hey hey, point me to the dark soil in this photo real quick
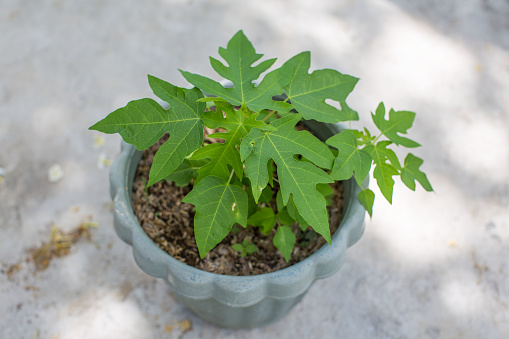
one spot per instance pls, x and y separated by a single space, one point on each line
169 223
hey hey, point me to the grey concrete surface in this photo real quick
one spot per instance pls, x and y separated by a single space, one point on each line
430 266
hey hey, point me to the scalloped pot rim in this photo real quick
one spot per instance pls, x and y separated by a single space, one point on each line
193 286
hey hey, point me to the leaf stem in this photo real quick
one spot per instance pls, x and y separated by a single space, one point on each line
268 115
231 175
378 137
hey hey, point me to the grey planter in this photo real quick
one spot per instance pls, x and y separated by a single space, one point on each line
231 301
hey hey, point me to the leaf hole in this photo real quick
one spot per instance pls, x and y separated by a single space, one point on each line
333 103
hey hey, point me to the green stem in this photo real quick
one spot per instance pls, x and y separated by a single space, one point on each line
378 137
268 115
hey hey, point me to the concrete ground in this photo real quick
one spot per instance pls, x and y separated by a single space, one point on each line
433 265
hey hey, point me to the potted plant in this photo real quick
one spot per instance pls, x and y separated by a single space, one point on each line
264 173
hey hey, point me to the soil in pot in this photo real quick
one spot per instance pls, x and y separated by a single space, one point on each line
169 223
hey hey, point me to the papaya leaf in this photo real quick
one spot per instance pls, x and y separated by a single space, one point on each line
252 206
296 177
350 159
381 154
284 240
266 195
367 198
143 122
383 174
308 92
399 122
187 171
284 218
265 218
221 157
140 123
327 192
384 171
289 212
218 206
410 172
240 55
225 155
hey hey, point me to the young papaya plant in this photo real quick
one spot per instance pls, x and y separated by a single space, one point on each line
233 181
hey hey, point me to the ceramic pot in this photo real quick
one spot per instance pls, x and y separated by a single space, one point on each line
232 301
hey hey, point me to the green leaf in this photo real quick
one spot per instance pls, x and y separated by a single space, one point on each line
291 209
294 213
212 99
240 56
284 240
221 156
140 123
384 171
327 192
411 172
143 122
350 159
295 177
383 174
218 206
284 218
187 171
308 92
399 122
266 195
225 155
381 154
367 198
265 218
249 247
238 247
252 205
289 213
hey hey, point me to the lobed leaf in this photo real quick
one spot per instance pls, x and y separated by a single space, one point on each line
218 206
240 56
384 171
308 92
381 154
140 123
187 171
410 172
350 158
143 122
225 155
399 122
296 177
